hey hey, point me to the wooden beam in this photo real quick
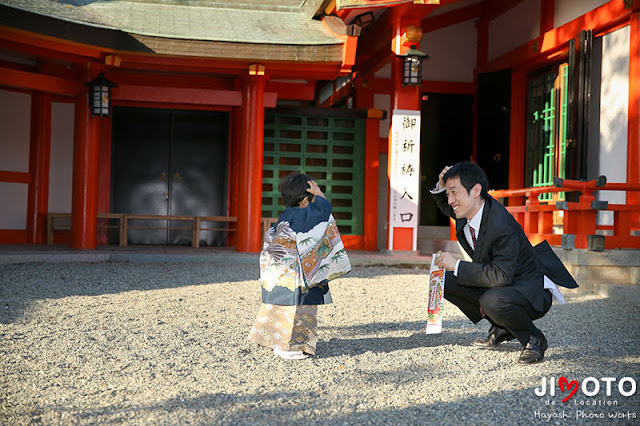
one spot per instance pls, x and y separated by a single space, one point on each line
373 63
176 95
15 177
495 8
452 18
41 44
44 83
207 82
293 91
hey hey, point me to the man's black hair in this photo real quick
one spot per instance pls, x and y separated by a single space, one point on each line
294 189
469 174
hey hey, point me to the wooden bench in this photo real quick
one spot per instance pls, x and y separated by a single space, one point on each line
51 224
124 225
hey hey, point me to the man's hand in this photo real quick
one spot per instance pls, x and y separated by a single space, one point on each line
441 184
446 261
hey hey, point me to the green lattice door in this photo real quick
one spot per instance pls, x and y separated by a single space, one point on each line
547 129
329 149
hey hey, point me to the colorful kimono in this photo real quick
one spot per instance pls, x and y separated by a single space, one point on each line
301 253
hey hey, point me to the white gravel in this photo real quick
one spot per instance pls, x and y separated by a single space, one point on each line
87 343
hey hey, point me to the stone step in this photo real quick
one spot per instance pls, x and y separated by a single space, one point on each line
627 292
427 247
432 239
433 232
589 268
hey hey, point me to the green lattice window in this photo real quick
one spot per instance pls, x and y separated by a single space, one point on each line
329 149
546 129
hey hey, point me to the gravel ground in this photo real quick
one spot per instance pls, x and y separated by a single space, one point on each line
86 343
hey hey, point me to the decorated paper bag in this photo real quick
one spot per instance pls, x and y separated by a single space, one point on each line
436 294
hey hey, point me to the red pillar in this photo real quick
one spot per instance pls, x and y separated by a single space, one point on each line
547 13
251 160
633 137
104 177
39 154
404 98
517 129
234 169
364 100
482 57
84 204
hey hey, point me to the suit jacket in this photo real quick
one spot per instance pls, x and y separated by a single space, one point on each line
551 266
503 255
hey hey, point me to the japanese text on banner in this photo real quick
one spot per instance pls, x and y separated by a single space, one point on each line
404 169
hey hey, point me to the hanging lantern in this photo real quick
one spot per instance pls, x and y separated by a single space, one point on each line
100 95
412 67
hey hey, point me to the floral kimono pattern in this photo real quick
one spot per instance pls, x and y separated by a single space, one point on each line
295 267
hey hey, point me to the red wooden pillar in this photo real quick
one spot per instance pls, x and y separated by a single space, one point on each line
104 176
402 98
364 100
517 129
84 204
251 161
633 136
39 155
234 170
547 14
482 57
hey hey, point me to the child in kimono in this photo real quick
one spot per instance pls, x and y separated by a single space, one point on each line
301 253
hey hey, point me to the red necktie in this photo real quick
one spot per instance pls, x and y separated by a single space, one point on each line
473 236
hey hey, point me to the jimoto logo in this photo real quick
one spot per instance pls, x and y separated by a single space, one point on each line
590 387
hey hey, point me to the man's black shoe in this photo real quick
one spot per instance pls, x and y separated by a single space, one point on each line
533 352
495 337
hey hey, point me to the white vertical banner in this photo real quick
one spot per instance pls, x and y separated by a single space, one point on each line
404 173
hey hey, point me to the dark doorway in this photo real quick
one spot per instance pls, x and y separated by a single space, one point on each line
494 115
169 163
446 138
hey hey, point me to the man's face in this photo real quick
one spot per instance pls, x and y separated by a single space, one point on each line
465 204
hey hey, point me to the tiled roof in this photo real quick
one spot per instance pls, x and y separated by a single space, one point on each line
280 22
227 50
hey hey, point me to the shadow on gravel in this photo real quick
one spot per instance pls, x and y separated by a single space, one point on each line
458 335
22 284
352 347
520 405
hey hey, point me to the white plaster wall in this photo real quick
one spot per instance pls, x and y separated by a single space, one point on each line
515 27
568 10
15 117
614 106
452 52
61 163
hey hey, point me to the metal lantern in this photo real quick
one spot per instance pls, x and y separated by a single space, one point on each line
412 67
100 95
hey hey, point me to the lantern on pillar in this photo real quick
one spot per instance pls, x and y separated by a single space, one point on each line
412 66
100 95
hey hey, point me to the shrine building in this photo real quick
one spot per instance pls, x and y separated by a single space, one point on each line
165 122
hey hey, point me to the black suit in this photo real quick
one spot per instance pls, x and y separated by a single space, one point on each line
504 281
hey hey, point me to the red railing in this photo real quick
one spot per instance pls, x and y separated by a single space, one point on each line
577 227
